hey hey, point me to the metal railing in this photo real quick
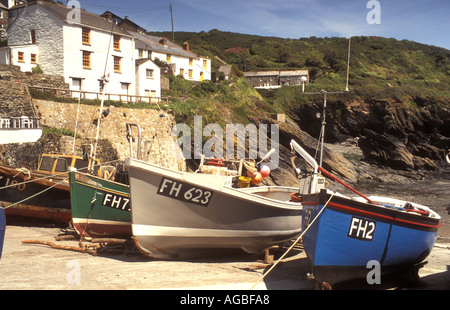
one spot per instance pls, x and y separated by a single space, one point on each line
23 122
70 93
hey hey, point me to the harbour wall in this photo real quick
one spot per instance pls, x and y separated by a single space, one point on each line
156 126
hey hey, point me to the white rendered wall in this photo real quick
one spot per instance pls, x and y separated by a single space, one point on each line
144 83
19 135
100 41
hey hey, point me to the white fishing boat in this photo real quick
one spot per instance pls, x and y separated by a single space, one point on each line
182 214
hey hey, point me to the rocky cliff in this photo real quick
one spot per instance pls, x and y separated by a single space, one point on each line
390 133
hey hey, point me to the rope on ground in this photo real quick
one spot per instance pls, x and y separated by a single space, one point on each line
290 248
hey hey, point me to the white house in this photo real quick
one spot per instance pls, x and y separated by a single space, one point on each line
80 46
183 61
148 78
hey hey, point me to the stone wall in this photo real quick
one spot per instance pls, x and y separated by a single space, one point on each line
49 36
156 128
15 100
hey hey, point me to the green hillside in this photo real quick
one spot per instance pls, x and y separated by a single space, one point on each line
403 68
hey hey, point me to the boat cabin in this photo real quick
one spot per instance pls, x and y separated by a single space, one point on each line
53 164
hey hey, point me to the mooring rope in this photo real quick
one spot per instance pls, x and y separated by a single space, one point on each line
290 248
48 188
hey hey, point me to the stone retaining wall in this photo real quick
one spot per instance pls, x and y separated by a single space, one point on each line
156 128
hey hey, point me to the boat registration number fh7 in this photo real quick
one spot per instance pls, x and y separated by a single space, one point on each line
185 192
117 202
361 229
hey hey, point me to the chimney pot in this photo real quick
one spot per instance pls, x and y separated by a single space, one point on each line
163 41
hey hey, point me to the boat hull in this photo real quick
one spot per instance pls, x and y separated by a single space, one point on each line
2 229
349 236
45 198
100 208
178 215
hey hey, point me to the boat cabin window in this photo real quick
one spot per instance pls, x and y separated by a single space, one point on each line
61 165
46 164
81 164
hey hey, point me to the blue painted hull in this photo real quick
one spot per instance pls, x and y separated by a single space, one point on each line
2 229
348 234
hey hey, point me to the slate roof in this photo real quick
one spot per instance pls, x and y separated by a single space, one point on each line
86 19
280 73
149 42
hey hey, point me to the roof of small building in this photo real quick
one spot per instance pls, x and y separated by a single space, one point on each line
294 73
262 73
276 73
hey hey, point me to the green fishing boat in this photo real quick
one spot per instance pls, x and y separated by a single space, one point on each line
101 208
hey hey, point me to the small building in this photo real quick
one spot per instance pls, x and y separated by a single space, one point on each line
277 78
263 79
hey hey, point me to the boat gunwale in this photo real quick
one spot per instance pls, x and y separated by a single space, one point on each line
382 213
226 190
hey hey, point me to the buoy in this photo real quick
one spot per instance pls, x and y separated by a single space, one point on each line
252 174
257 179
265 171
447 157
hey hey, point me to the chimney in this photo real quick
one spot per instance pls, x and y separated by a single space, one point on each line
163 41
186 46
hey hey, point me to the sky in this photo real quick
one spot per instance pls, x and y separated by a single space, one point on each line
423 21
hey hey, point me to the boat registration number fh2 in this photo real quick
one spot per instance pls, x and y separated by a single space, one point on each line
361 229
185 192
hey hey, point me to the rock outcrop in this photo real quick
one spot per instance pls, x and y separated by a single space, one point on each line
401 136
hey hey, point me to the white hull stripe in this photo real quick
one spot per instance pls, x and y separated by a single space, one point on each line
166 231
98 222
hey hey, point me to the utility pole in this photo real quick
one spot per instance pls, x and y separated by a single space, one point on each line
348 61
171 17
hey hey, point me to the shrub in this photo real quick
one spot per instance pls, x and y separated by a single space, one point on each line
37 69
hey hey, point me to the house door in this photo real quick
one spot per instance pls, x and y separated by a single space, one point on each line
201 77
76 87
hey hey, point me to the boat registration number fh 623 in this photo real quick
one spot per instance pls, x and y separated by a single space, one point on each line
361 229
185 192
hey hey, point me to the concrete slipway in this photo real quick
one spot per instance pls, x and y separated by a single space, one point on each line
40 267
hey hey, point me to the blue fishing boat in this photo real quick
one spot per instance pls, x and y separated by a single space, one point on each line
345 238
2 229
